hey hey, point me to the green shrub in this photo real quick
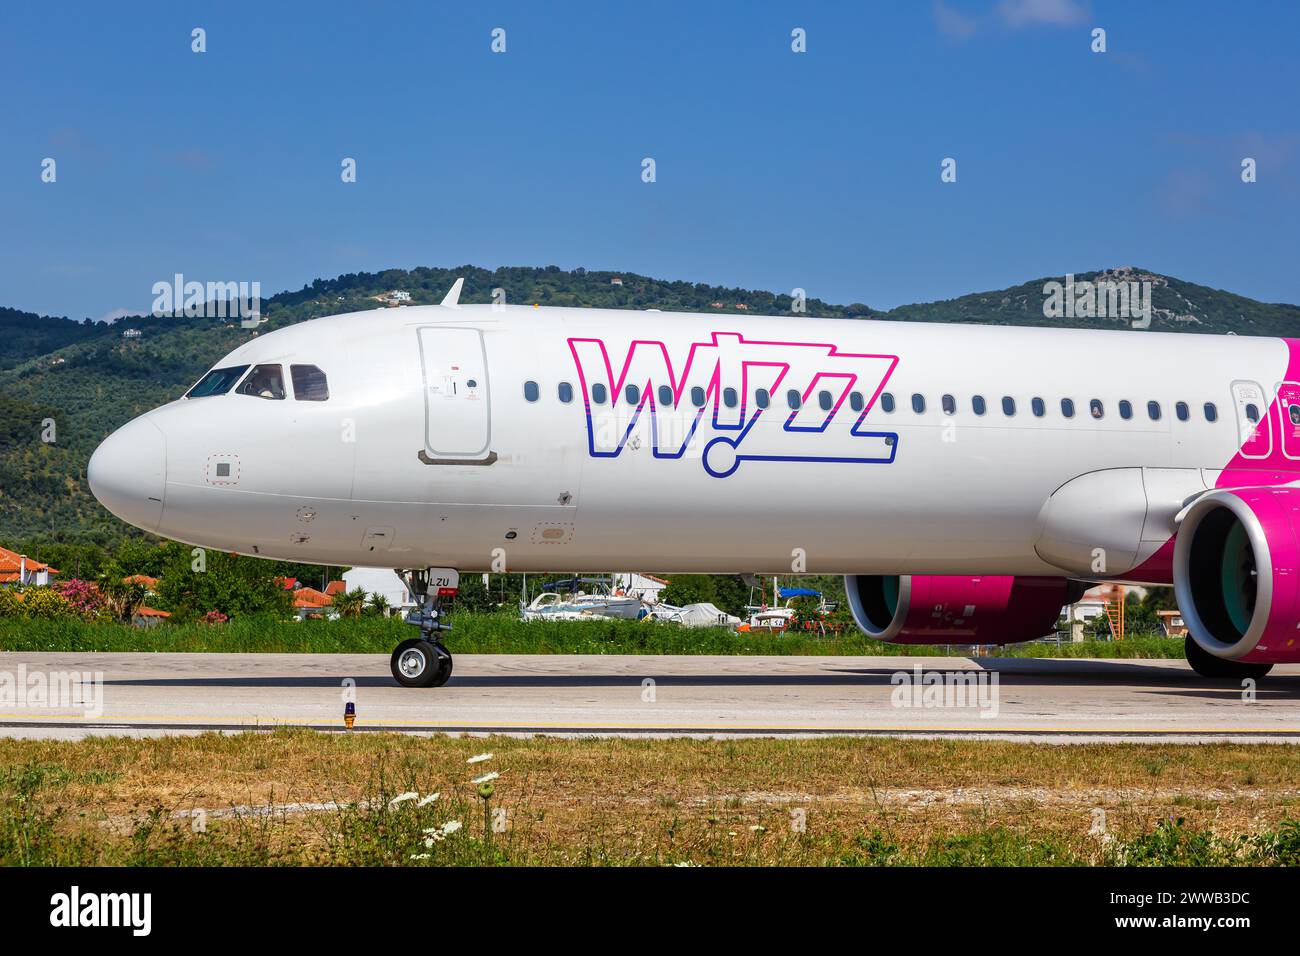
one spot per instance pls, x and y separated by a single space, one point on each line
46 604
10 606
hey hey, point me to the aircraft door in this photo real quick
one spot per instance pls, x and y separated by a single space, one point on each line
457 405
1250 406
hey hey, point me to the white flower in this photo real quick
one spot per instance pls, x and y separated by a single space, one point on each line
419 856
479 758
425 801
438 834
402 798
758 828
485 778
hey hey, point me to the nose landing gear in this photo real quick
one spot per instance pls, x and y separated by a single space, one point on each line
423 661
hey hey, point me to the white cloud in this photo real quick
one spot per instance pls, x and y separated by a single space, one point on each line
1018 14
111 317
952 23
956 24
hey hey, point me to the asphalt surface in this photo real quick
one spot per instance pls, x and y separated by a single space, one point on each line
1040 700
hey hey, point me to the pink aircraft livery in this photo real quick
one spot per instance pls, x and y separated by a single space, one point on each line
967 481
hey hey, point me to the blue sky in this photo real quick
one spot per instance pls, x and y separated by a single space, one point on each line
774 169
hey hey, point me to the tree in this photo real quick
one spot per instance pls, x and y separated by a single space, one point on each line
350 603
686 589
120 598
233 585
378 604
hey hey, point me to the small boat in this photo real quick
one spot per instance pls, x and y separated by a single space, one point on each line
580 605
777 618
693 615
761 618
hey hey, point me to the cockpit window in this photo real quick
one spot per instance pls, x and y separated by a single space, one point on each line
217 382
264 381
309 383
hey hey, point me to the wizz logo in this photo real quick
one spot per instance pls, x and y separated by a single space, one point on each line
756 400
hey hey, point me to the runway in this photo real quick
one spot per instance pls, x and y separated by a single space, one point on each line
1035 700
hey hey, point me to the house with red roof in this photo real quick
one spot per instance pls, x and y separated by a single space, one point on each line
18 570
308 602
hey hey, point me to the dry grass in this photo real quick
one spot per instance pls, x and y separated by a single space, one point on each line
653 801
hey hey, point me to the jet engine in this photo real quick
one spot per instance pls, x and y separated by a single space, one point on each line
957 609
1237 578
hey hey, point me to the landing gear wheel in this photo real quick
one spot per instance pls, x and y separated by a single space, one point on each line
443 672
415 663
1207 665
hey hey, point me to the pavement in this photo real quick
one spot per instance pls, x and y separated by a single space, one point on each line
74 695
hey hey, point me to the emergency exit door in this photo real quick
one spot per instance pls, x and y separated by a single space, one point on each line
1253 427
457 410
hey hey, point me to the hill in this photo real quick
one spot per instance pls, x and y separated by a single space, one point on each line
89 379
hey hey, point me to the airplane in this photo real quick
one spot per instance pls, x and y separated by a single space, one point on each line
968 481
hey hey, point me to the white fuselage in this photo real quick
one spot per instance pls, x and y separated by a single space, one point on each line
445 440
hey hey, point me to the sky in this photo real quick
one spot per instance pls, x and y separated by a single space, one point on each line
773 169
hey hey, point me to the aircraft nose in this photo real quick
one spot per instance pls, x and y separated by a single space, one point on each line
128 473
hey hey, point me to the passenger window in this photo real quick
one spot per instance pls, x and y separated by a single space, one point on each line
1067 407
887 402
1125 409
730 398
665 396
1008 405
1096 408
949 405
1038 406
1182 411
918 403
978 405
697 397
856 402
309 383
762 398
565 392
1153 411
264 381
1252 412
1211 413
531 391
632 393
826 400
793 398
216 382
598 394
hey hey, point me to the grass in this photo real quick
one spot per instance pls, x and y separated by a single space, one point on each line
502 634
297 798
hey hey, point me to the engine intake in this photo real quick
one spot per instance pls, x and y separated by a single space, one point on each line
956 609
1236 558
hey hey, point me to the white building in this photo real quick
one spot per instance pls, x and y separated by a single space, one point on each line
380 581
643 586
